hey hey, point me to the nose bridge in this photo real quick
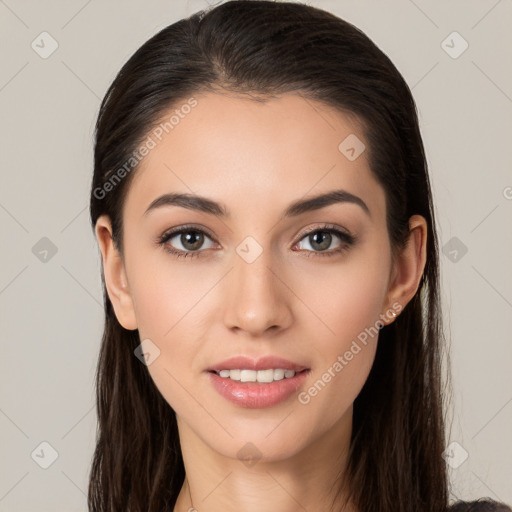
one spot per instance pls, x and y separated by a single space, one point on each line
257 298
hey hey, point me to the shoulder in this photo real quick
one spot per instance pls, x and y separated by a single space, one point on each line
482 505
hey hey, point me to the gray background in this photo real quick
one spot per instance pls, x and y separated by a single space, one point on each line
50 302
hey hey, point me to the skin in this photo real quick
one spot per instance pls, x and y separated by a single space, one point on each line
256 159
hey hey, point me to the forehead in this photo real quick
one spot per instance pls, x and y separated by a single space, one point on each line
249 154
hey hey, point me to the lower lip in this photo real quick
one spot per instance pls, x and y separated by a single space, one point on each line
254 395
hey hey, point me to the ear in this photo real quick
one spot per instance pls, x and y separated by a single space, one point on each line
408 266
116 281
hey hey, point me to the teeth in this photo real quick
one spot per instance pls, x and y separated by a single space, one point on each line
257 376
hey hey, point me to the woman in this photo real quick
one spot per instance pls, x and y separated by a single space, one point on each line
273 335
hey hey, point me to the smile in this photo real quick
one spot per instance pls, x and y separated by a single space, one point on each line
244 375
254 394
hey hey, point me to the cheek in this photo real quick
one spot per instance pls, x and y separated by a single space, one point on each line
347 302
167 305
343 359
167 295
345 298
170 301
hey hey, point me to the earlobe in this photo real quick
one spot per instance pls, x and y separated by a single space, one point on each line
115 275
409 265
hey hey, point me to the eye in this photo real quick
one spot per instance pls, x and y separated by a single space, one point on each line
186 241
320 239
190 239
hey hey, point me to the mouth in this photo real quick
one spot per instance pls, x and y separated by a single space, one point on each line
247 365
257 376
253 389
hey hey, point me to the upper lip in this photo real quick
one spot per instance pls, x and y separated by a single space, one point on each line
263 363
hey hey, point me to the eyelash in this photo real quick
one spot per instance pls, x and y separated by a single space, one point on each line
348 240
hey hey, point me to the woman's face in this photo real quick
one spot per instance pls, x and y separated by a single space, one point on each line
251 280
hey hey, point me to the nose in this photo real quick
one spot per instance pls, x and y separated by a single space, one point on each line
257 297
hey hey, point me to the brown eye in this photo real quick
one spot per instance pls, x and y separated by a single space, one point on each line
186 242
191 240
321 239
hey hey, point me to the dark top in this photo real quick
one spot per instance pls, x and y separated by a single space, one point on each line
482 505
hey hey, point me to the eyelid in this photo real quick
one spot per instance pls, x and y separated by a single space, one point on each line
326 226
343 234
185 227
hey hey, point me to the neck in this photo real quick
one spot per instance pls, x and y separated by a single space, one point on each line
307 480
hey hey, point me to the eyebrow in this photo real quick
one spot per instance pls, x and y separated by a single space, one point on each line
203 204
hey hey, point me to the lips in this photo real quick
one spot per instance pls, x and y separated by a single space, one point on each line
256 395
263 363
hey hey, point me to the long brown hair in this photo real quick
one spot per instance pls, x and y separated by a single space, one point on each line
263 49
